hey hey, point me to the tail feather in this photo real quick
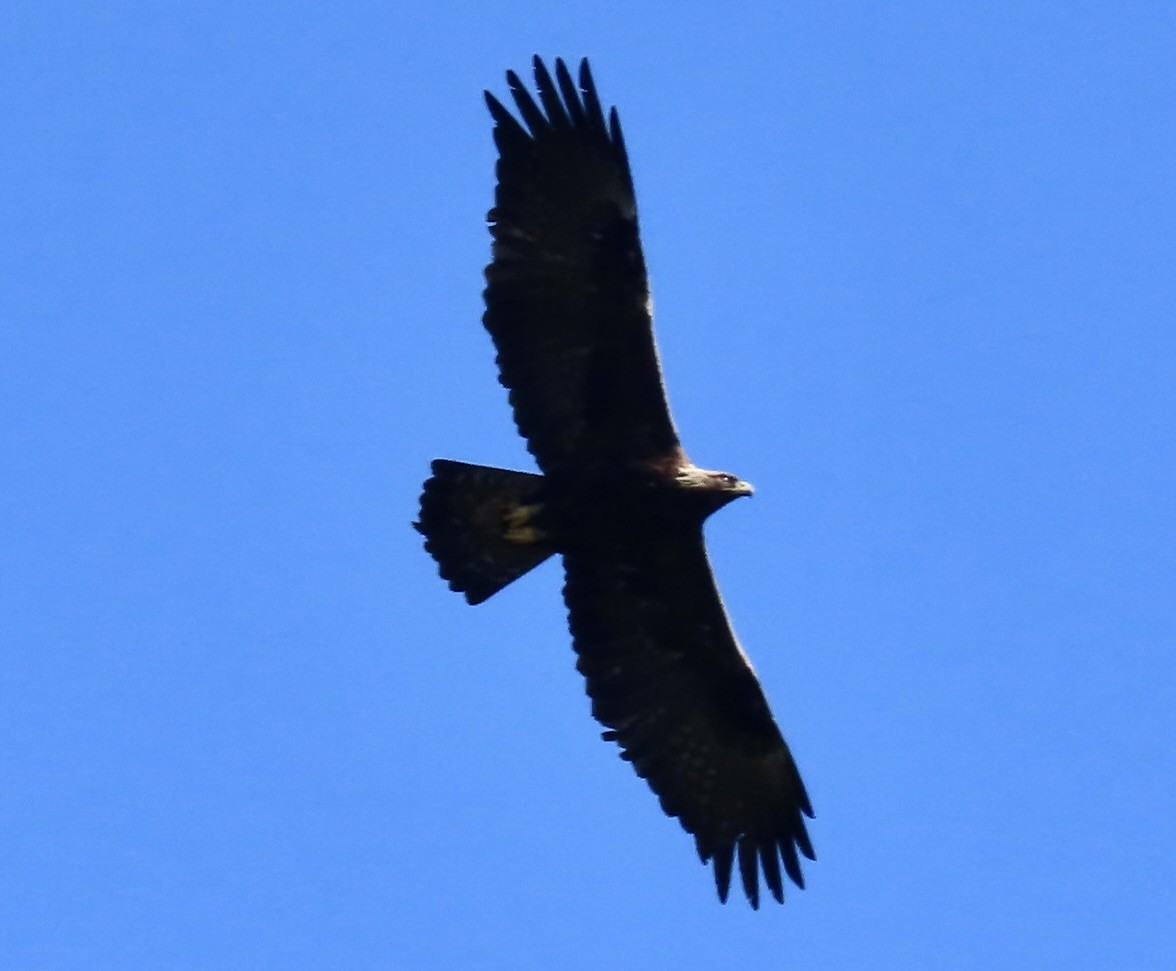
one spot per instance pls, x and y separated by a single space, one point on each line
476 524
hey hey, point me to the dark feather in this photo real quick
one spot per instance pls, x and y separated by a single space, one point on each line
749 871
724 857
769 854
552 106
567 90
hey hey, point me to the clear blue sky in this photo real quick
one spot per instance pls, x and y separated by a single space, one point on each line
914 273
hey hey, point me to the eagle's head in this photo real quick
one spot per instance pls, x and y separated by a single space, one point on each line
713 489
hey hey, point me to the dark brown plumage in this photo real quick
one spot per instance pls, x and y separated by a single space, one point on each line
567 305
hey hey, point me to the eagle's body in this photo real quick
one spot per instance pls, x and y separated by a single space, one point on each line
567 304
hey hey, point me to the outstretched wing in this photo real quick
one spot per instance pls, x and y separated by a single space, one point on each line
669 681
567 300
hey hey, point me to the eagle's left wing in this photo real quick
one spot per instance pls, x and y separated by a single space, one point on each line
668 679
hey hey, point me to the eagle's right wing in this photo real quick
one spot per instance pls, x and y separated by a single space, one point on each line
668 679
567 300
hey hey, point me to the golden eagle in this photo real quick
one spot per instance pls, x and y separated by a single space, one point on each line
567 305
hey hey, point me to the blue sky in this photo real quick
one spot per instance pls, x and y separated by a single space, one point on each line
913 271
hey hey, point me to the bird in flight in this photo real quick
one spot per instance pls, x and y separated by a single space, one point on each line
568 308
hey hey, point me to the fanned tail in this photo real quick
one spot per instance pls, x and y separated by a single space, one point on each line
479 525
